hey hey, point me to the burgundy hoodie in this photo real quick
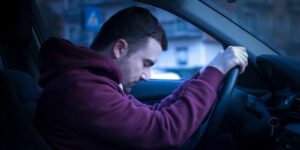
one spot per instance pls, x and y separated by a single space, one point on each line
82 106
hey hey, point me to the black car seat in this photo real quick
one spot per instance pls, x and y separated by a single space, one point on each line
19 94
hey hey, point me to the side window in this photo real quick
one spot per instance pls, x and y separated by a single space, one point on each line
79 21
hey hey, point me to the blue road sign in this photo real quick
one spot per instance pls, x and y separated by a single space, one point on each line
92 18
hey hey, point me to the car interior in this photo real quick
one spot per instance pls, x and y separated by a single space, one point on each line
257 110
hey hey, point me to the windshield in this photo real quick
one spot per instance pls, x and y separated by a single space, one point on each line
274 22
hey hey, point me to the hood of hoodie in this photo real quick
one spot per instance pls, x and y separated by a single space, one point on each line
58 56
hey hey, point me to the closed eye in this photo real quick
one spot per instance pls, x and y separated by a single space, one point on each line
148 63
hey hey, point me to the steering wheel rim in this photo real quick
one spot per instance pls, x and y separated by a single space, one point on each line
209 127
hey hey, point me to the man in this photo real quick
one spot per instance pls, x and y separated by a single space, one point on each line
84 104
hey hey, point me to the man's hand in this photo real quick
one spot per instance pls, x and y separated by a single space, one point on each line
231 57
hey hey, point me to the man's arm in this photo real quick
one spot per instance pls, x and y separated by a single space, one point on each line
107 114
223 62
172 98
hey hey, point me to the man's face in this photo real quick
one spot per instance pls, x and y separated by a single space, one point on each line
136 66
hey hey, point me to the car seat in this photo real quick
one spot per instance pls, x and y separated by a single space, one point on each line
19 94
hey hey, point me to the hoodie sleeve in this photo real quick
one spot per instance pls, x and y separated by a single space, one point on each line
99 111
207 74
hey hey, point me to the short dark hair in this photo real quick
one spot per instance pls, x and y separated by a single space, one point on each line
134 24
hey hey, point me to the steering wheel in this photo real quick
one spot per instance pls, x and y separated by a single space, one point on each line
209 127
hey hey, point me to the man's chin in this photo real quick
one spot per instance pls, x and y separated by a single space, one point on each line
127 90
128 87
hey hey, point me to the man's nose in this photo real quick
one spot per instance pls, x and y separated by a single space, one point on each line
145 76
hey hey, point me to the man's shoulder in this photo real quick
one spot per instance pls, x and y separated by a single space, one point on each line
87 79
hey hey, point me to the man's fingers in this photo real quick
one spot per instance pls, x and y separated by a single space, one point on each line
231 57
243 64
242 67
242 57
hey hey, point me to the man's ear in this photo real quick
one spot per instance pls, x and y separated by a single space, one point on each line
120 48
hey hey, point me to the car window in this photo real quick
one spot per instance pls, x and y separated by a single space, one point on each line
275 22
79 21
